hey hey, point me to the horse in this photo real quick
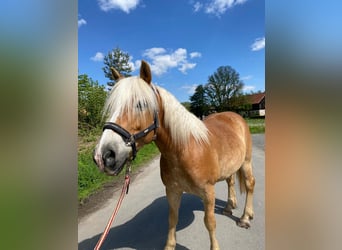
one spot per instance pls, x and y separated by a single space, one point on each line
195 154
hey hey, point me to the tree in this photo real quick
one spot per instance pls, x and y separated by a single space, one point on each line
119 60
224 89
91 99
186 105
199 102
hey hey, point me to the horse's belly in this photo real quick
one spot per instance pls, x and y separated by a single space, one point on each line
229 165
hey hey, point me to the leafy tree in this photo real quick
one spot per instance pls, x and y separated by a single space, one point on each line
91 98
199 102
224 88
186 105
118 60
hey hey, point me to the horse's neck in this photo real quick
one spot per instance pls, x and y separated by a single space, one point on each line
164 141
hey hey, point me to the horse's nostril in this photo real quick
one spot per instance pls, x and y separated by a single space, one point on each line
109 158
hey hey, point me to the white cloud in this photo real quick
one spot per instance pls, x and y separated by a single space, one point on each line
154 52
124 5
81 22
190 89
134 65
195 54
258 44
197 6
248 88
98 57
162 60
246 78
219 7
184 67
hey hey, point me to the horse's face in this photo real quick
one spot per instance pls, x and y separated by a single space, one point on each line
133 109
113 150
111 153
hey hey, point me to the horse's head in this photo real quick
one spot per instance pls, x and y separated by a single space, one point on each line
132 108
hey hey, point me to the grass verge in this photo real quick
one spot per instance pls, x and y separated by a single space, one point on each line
256 125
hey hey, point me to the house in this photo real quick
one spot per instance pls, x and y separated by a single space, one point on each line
258 104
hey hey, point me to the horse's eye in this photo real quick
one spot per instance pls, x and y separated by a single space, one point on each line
142 105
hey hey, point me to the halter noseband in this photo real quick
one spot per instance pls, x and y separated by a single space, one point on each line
129 138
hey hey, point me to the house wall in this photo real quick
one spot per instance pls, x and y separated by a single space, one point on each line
258 109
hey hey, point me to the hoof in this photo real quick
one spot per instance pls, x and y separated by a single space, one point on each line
232 205
227 212
244 224
169 248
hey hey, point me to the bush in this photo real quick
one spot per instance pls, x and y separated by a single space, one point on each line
91 99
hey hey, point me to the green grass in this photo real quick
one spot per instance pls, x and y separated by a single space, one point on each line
256 125
145 154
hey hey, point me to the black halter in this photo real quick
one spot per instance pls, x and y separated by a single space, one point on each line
129 138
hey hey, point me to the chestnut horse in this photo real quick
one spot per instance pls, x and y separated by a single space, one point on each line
194 154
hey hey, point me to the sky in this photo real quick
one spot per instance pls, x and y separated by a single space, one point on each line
184 41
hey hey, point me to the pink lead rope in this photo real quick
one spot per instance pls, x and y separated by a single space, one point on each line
110 222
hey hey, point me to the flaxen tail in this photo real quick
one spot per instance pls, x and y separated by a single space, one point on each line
241 181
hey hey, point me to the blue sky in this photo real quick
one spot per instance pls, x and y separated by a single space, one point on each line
184 41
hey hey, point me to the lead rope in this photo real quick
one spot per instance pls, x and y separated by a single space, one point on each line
116 210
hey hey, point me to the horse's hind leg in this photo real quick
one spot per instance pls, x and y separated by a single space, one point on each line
247 180
173 198
231 202
209 215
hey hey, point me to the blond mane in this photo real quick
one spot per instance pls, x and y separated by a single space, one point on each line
131 94
181 122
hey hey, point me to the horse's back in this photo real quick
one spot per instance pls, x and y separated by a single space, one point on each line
227 122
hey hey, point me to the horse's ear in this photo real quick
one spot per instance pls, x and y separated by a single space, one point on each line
116 75
145 72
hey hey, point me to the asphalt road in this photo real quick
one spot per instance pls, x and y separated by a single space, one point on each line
142 221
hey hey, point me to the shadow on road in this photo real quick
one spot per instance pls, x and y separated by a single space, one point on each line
148 229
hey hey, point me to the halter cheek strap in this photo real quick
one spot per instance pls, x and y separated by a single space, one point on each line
129 138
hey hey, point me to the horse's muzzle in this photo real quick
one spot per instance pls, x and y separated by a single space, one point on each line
111 165
109 159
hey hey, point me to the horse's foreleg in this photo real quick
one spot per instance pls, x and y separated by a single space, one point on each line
174 198
231 202
209 216
249 182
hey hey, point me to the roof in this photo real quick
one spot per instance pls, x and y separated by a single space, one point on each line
256 98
